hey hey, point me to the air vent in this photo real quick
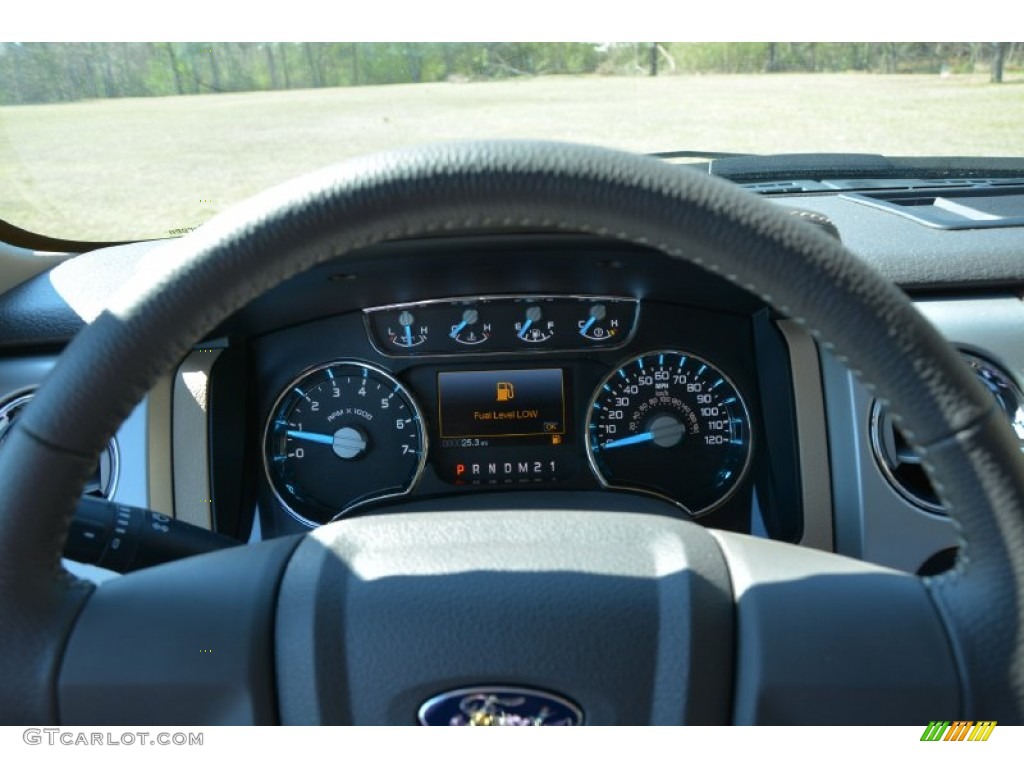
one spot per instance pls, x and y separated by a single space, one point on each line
900 462
103 481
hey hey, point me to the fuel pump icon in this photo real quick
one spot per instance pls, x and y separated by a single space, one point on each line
505 391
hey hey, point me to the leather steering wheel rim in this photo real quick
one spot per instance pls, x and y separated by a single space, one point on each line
515 186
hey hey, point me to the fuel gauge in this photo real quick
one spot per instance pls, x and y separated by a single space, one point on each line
534 328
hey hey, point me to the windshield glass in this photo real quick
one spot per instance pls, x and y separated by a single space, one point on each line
117 141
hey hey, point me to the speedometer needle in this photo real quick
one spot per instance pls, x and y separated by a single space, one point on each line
665 431
643 437
313 437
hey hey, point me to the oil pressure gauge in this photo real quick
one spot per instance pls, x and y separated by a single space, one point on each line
405 333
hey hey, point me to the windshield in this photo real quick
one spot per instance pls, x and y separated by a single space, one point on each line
118 141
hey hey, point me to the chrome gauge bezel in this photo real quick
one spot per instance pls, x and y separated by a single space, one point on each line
19 399
311 371
599 475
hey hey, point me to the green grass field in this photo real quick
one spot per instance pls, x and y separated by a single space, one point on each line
129 168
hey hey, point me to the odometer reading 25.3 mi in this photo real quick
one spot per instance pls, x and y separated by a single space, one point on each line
670 424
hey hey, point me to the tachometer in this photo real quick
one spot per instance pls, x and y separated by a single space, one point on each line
670 424
342 435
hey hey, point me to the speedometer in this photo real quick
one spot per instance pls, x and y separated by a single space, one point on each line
670 424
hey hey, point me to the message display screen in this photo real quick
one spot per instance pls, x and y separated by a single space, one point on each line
495 404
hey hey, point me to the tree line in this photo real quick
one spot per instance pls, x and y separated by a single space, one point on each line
34 73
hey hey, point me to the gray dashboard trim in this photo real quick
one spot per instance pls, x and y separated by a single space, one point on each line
873 521
190 428
21 374
26 373
815 480
159 459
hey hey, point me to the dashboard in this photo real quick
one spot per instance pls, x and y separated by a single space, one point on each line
543 372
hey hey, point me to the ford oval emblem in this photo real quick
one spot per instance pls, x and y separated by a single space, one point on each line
499 706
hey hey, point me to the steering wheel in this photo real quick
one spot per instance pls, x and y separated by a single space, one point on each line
631 618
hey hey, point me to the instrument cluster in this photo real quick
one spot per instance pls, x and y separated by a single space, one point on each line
463 395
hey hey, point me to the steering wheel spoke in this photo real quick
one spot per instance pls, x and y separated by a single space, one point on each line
629 616
178 644
823 640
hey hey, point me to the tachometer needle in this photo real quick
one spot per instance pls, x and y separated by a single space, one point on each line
313 437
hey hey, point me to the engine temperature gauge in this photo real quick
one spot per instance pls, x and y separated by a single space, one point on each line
469 330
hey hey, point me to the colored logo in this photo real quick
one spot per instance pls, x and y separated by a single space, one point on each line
958 730
499 706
